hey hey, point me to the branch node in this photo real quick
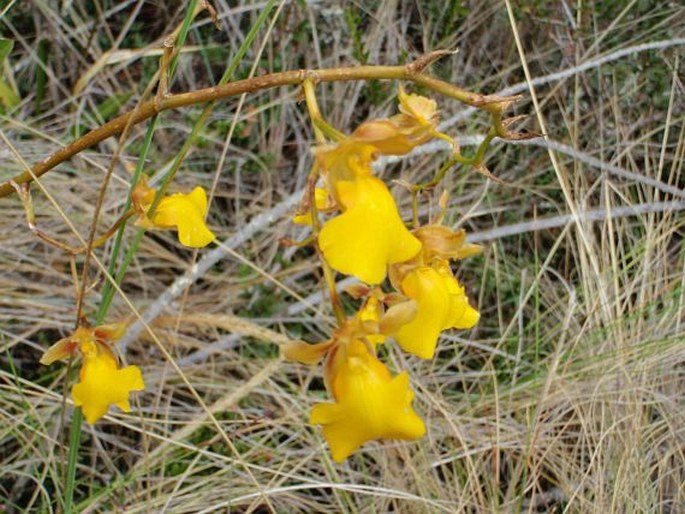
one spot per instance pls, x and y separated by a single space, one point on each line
517 136
495 102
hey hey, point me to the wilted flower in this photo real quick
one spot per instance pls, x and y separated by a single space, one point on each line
399 134
417 109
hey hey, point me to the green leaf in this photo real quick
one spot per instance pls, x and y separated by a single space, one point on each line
8 97
6 46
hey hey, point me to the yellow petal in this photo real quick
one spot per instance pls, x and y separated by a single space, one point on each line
442 304
371 312
461 315
369 235
102 383
370 405
420 335
198 197
398 315
186 212
464 315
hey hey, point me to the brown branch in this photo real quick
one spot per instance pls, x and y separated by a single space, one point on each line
155 106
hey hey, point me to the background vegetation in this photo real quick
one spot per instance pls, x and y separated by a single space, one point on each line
568 395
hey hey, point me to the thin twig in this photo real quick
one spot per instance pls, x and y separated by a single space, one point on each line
571 71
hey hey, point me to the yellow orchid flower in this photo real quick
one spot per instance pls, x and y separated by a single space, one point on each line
369 234
185 212
442 304
103 382
370 404
421 110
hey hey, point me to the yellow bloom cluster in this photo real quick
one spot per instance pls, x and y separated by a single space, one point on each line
366 237
102 381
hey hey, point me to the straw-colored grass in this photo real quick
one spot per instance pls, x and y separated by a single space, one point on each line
567 396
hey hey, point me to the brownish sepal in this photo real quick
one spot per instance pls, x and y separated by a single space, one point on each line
358 291
445 243
289 243
306 353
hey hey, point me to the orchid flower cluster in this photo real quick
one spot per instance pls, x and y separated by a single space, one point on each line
363 235
358 231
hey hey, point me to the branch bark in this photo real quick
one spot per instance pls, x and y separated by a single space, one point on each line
155 106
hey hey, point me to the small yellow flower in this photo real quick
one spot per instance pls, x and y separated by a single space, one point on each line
369 234
185 212
370 404
421 110
442 304
103 382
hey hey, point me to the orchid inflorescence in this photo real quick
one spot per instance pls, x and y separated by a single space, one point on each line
363 235
407 290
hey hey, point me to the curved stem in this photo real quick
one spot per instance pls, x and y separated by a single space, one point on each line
99 241
440 174
210 94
